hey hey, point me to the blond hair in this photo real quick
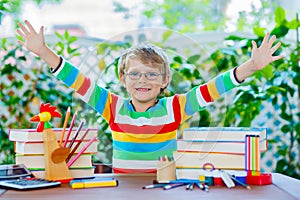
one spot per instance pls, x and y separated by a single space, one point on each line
148 54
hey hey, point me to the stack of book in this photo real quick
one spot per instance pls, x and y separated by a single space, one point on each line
29 149
225 148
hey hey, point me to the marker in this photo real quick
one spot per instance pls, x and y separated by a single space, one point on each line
154 186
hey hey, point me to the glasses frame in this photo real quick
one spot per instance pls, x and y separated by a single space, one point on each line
146 74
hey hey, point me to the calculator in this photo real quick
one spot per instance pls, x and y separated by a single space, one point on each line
17 176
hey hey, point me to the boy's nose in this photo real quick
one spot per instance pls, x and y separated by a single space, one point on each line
143 77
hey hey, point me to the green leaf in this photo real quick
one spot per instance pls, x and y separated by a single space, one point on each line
293 24
193 59
166 35
259 31
279 15
280 31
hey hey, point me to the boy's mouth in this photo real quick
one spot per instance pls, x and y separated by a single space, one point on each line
143 89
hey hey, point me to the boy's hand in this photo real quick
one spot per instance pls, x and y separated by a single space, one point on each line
33 41
262 56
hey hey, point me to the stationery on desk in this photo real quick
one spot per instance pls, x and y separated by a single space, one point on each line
92 183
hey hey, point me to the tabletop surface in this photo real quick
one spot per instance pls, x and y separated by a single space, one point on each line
130 187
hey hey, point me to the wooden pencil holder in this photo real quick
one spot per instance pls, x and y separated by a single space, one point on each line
53 170
166 171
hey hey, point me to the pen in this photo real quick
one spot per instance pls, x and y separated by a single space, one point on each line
171 186
178 181
154 186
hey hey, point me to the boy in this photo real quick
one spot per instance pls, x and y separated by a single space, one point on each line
143 126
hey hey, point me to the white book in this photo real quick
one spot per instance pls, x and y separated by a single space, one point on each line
74 172
216 147
38 147
199 159
225 134
31 135
36 161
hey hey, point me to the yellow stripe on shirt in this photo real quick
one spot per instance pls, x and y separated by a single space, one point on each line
78 82
212 89
142 138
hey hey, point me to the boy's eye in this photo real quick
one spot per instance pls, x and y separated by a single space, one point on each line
151 75
135 74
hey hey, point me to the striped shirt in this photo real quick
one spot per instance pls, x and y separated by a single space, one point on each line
140 138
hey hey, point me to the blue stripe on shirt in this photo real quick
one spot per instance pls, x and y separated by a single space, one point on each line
101 101
220 85
144 147
71 77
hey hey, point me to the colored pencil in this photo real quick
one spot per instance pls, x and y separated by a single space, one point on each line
65 126
71 162
70 129
77 145
76 134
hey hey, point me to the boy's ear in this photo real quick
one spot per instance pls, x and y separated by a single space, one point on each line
122 79
166 81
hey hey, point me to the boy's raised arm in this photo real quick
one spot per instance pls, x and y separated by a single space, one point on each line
260 57
35 42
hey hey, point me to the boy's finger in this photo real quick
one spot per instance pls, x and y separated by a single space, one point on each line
29 26
271 41
24 29
277 57
266 38
41 32
254 45
273 49
20 33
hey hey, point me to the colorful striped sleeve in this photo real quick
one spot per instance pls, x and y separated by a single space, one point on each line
199 97
91 93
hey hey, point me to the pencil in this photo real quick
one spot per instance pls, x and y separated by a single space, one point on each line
241 183
70 128
77 145
65 126
71 162
76 134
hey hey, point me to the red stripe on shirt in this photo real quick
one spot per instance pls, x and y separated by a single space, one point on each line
84 87
205 93
147 129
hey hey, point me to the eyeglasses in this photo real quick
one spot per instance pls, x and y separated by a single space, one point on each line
148 75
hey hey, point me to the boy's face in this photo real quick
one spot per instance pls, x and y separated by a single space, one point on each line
142 89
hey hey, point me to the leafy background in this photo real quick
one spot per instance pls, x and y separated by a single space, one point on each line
22 88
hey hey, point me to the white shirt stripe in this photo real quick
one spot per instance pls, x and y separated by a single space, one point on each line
134 164
200 98
234 81
60 67
154 121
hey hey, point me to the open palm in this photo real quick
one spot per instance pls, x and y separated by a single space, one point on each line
263 55
33 41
